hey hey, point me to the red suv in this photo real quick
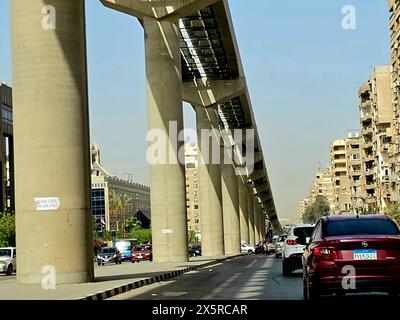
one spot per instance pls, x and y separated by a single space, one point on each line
352 254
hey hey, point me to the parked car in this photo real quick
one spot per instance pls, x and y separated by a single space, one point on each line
272 244
8 260
292 250
279 245
246 248
142 253
109 255
195 250
368 243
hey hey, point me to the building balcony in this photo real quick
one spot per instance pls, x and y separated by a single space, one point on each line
364 89
366 105
367 131
370 186
368 158
370 199
368 143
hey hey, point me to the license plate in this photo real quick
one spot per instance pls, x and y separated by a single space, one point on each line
365 254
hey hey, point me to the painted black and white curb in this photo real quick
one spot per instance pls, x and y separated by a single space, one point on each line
145 282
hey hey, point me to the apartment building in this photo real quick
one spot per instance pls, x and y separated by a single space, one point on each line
322 185
376 113
192 189
340 177
394 8
354 149
301 208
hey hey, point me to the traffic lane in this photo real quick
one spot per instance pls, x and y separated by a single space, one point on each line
246 278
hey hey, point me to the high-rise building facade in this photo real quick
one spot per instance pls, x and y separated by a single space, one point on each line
378 135
394 8
6 150
340 176
354 149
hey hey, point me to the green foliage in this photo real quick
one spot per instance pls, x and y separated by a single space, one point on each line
316 210
7 230
192 236
132 223
394 212
142 235
119 203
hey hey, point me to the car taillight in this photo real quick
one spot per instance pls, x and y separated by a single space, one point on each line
322 252
290 242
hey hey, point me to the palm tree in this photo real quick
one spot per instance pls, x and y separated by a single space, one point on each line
119 202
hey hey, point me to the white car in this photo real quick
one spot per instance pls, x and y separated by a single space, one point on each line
292 251
246 248
272 245
8 260
279 245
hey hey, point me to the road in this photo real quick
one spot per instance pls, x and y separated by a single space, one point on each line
246 278
250 277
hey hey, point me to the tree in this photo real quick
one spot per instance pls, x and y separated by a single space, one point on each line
119 202
7 230
142 235
394 212
316 210
132 223
192 236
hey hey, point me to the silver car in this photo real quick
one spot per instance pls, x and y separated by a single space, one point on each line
8 260
279 245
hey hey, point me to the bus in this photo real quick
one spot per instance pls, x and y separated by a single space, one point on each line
125 247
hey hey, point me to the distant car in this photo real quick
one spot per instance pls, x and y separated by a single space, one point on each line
246 248
8 260
142 253
260 247
195 250
369 244
292 250
279 245
109 255
272 244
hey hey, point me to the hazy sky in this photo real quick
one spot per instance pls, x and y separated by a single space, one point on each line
302 68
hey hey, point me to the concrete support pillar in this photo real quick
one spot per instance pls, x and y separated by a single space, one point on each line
230 205
243 212
211 218
256 222
165 111
250 210
51 132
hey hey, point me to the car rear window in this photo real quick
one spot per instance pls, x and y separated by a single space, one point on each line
108 250
307 231
361 227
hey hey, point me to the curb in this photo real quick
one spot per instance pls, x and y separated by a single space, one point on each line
145 282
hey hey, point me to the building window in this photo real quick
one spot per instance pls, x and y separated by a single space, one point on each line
98 209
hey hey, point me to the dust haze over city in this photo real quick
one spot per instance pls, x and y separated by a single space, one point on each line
303 73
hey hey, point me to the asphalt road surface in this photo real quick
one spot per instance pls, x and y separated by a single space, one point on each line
245 278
